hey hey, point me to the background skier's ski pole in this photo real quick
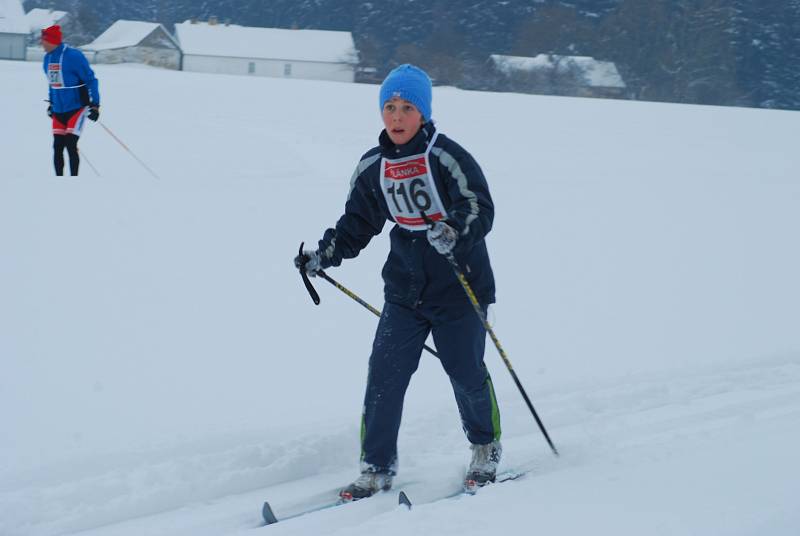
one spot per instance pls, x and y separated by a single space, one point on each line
347 291
477 306
83 156
129 151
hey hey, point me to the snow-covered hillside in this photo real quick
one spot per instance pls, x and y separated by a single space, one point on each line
163 371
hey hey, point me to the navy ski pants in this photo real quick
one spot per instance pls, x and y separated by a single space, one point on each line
460 340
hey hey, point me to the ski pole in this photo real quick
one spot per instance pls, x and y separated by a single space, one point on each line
83 156
477 306
304 276
129 151
348 292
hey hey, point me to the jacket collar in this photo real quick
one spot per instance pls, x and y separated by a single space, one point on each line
418 144
57 50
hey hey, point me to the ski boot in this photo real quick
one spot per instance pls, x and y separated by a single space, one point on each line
483 467
366 485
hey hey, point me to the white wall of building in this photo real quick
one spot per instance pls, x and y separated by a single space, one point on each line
34 53
12 46
158 57
338 72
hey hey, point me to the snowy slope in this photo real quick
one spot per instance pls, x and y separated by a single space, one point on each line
164 371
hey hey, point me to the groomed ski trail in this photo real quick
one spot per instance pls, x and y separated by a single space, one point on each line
601 429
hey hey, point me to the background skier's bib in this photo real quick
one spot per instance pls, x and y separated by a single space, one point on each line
54 75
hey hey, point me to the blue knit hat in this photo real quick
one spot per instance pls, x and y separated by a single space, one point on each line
410 83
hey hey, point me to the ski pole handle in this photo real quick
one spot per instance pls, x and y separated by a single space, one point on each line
307 282
428 222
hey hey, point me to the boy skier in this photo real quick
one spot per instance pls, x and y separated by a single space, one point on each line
416 175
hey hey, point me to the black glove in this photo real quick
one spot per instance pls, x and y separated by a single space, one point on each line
49 110
308 262
442 237
94 112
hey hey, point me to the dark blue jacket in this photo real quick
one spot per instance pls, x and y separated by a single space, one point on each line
79 87
415 273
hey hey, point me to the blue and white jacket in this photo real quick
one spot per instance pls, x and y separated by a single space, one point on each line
72 82
415 274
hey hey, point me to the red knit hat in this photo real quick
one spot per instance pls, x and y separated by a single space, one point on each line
52 34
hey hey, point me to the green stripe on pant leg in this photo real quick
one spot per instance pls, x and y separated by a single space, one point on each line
363 432
495 410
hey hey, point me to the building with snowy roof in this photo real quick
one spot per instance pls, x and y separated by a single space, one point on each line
211 47
130 41
13 30
551 74
38 19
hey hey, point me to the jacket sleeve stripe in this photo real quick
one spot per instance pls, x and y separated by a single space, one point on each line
363 165
463 185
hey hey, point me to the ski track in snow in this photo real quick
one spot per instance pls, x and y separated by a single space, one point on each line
589 424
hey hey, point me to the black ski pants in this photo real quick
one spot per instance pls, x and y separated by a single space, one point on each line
70 143
460 340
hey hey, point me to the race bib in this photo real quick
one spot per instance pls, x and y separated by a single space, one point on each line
54 75
409 189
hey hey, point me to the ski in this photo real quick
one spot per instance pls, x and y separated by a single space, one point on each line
404 499
270 518
268 514
471 487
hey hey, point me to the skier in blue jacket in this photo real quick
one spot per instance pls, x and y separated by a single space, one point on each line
414 171
73 96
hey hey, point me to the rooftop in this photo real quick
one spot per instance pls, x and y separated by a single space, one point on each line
596 73
38 19
123 34
229 40
12 17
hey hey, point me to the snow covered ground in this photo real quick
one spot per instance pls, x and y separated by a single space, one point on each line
163 371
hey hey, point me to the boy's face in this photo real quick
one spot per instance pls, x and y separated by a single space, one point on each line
401 119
